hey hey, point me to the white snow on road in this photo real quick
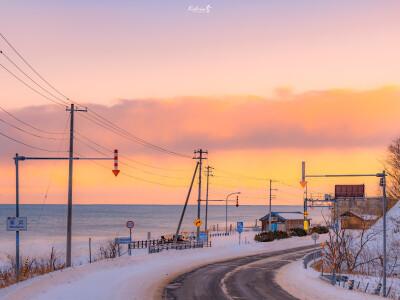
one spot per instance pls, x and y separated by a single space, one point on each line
140 276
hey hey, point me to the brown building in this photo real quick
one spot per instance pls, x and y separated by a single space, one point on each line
353 220
283 221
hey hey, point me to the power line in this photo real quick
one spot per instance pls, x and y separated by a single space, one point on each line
131 176
38 85
127 158
16 118
126 164
35 135
27 145
97 116
27 85
30 66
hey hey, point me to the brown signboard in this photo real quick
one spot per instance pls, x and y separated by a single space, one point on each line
349 191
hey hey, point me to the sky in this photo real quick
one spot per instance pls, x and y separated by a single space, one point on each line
261 85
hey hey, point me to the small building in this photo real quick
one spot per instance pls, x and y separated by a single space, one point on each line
283 221
353 220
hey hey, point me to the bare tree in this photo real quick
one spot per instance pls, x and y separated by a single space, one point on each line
392 167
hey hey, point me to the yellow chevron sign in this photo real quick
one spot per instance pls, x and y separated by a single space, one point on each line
198 223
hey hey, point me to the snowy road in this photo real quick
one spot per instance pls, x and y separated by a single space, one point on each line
250 277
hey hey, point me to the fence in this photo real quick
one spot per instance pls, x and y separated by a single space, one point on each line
222 233
344 282
365 287
170 246
146 243
309 257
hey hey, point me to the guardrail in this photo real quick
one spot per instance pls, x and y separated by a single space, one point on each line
170 246
310 256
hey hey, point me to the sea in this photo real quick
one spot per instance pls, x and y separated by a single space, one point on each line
49 222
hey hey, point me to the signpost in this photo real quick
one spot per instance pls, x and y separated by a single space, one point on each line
130 225
315 237
239 226
198 223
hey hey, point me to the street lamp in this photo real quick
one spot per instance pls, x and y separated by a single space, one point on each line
226 219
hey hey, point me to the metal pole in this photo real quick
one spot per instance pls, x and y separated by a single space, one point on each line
130 241
199 199
17 215
184 207
226 215
208 175
384 231
90 250
69 221
270 191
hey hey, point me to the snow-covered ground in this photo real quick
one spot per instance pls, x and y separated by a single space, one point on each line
140 276
305 284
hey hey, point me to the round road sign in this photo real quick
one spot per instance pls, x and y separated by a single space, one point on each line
315 236
130 224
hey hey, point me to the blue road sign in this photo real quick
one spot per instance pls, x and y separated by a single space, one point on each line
17 224
203 237
125 240
335 226
239 227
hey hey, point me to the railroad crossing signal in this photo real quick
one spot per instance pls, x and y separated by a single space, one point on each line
305 214
198 223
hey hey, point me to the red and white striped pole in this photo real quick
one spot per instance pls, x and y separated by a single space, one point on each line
115 171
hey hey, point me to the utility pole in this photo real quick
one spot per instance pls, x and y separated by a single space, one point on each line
201 152
209 173
270 203
383 184
71 159
17 215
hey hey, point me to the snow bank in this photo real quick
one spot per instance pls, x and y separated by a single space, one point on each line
305 284
141 275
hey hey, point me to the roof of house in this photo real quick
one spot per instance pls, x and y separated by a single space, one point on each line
292 215
364 217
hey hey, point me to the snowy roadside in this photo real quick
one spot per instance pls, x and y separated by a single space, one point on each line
305 284
139 276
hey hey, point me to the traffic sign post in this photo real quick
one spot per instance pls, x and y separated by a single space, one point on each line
315 237
239 226
130 225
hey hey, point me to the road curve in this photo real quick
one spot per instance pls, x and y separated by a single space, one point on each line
250 277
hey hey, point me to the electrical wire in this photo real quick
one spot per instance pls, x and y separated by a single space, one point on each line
97 116
26 124
27 145
35 135
133 177
30 65
27 85
126 164
132 160
30 78
47 190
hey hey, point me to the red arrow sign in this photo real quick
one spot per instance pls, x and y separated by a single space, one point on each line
115 172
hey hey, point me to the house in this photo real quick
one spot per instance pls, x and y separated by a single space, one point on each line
354 220
283 220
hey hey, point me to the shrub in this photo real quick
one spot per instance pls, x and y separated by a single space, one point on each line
298 232
108 250
320 229
270 236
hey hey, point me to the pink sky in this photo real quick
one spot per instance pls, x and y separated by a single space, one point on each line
262 85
